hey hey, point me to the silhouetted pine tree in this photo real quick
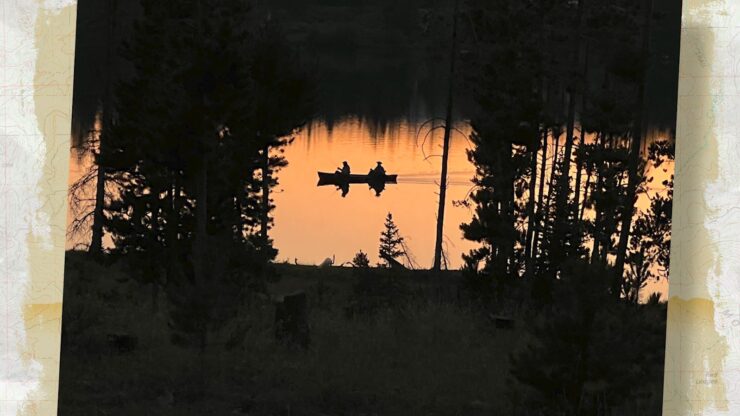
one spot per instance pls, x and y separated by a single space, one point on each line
553 137
391 242
505 132
98 217
192 127
283 95
638 132
184 154
361 260
570 362
650 241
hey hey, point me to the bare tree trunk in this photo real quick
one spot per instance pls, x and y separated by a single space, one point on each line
446 148
553 170
531 201
540 198
561 198
506 192
529 250
265 214
96 242
582 141
628 207
542 217
171 223
598 226
586 188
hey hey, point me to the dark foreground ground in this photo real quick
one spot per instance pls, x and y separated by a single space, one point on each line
422 348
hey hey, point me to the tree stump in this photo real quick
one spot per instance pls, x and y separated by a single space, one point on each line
502 322
291 320
122 343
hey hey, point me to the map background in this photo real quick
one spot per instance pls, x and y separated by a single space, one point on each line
702 352
702 371
36 60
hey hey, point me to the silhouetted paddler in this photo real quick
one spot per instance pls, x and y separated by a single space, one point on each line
344 170
378 171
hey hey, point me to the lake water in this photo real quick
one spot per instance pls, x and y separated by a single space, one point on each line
313 223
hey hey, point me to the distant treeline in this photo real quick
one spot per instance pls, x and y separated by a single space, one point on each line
390 53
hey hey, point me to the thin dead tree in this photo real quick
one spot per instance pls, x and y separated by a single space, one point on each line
96 241
628 207
446 147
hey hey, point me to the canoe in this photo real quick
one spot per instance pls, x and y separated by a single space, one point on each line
338 178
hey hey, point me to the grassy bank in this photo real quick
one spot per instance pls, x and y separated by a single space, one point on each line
426 352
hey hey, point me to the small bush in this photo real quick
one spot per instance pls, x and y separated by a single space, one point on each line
589 351
361 260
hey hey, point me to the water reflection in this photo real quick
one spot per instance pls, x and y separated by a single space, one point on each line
343 181
378 187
